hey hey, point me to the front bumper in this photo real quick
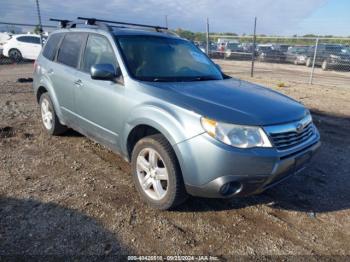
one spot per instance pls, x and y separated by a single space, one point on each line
207 165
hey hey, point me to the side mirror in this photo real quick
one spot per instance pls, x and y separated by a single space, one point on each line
104 72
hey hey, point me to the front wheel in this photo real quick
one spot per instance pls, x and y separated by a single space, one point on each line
157 174
325 65
309 62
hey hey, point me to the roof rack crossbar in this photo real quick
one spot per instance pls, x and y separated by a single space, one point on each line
73 24
63 22
92 21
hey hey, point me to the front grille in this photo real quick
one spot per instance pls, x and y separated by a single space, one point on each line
286 140
292 134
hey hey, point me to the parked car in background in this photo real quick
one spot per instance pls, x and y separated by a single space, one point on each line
282 47
297 55
329 56
236 51
269 54
4 37
22 46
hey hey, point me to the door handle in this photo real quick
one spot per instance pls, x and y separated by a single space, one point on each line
78 83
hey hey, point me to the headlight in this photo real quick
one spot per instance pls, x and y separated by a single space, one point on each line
236 135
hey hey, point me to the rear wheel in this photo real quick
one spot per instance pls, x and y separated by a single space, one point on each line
15 55
50 120
156 173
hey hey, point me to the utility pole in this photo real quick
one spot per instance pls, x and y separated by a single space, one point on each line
207 48
313 62
40 24
254 47
166 21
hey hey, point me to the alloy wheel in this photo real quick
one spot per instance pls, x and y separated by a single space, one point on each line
152 173
46 114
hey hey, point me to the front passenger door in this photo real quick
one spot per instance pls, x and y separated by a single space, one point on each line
98 101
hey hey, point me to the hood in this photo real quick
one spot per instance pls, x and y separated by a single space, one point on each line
231 101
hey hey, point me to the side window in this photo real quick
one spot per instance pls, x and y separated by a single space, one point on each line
35 40
51 46
69 51
98 51
23 39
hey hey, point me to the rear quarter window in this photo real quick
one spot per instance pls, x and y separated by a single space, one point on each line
51 46
70 49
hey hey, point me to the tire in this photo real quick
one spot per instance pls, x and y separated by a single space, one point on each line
261 58
49 118
163 164
15 55
325 65
308 62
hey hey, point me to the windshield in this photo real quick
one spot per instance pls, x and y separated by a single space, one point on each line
151 58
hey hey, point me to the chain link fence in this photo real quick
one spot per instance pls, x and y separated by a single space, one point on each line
280 60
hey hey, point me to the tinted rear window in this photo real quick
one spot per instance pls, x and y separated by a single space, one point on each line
51 46
69 52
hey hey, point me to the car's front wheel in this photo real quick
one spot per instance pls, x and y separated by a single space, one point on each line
157 174
308 62
49 118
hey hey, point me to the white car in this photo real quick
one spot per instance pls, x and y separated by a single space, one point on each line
22 47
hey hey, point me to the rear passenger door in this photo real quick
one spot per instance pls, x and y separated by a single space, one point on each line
98 101
63 73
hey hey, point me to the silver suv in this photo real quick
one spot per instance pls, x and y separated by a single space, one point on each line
162 104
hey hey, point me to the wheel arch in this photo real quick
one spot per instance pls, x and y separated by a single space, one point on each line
44 87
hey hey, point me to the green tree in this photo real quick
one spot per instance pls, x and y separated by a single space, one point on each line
37 30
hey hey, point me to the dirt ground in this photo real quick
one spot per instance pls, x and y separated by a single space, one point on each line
68 196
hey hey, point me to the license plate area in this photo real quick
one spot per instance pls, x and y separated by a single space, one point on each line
301 162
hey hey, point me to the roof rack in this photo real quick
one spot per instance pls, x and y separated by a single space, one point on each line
92 21
73 24
63 22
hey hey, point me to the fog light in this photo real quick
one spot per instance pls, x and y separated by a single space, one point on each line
230 188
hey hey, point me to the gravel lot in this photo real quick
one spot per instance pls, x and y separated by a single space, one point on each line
69 196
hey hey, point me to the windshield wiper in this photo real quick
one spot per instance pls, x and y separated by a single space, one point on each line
204 78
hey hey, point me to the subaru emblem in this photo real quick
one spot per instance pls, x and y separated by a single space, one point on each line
299 127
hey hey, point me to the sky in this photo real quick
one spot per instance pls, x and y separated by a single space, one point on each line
275 17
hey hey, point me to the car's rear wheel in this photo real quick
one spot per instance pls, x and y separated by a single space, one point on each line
325 65
15 55
49 118
157 174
